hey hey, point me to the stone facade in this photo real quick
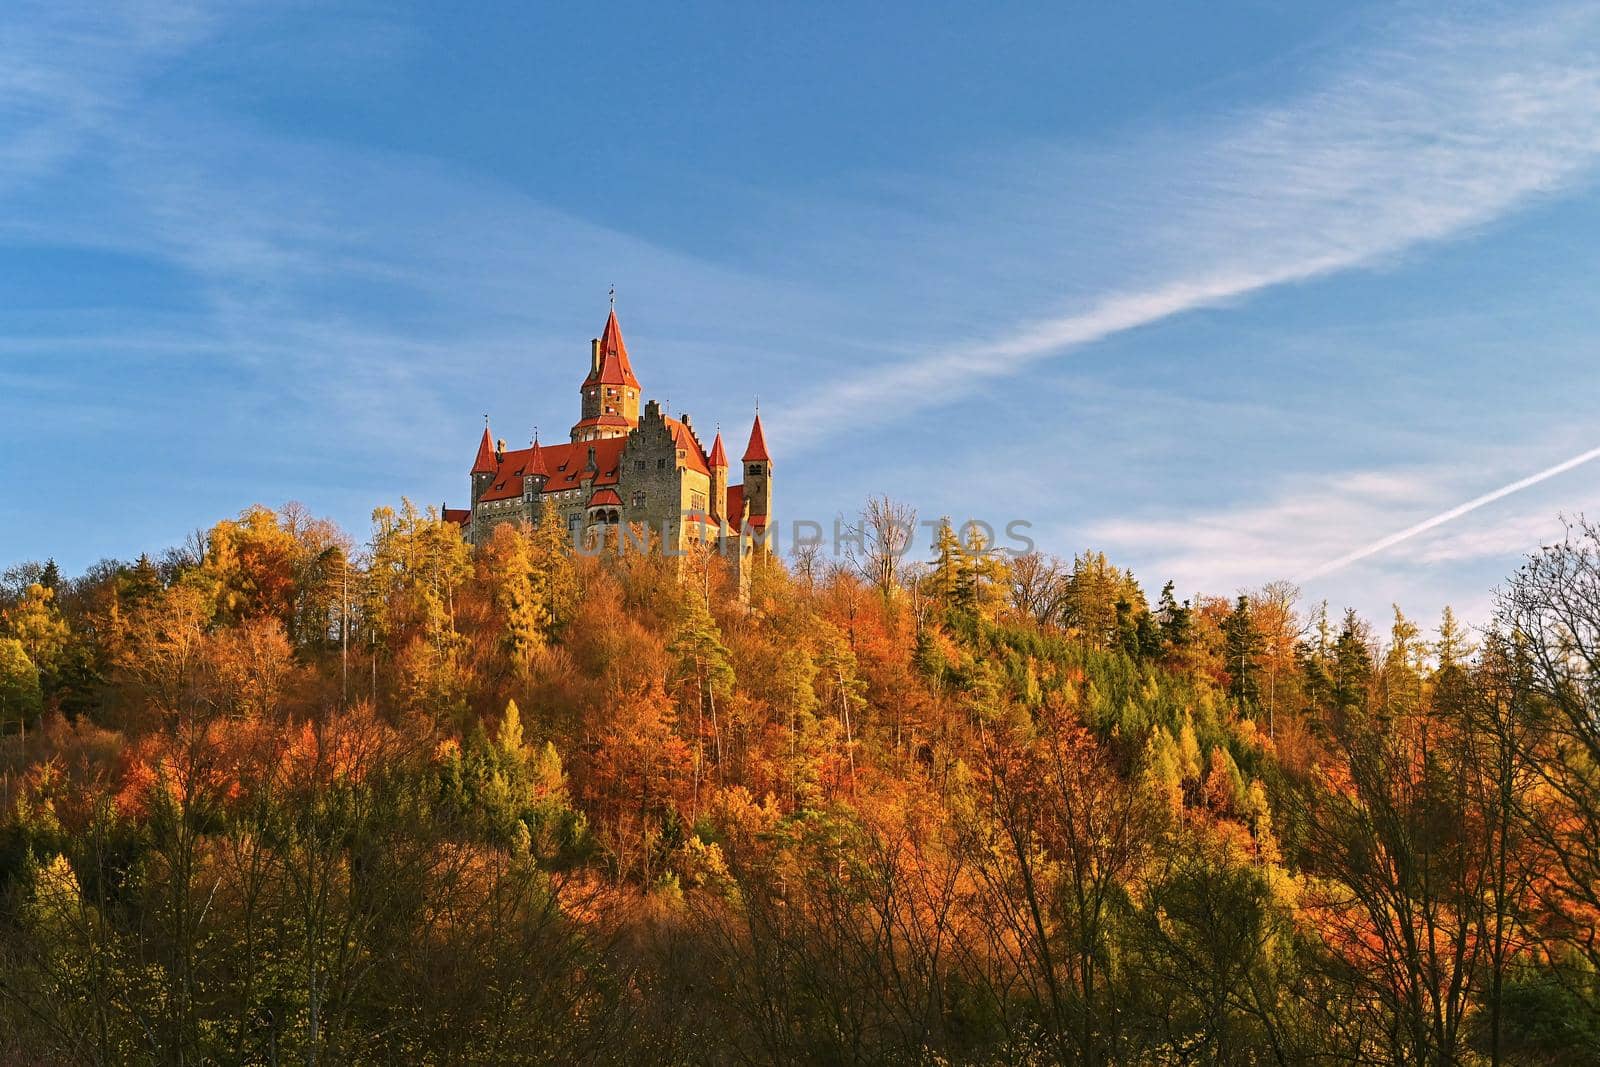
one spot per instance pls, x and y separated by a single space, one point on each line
625 473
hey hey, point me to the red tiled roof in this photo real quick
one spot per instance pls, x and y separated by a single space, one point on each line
756 450
485 461
564 464
693 454
719 458
459 516
605 497
536 461
614 367
604 420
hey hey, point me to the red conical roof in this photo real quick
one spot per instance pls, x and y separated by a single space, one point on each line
536 461
484 464
756 450
614 367
719 458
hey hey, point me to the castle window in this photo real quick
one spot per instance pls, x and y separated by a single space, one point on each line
697 502
638 500
638 464
752 468
661 464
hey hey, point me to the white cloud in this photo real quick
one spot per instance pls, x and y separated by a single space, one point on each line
1448 128
1294 531
68 70
1389 541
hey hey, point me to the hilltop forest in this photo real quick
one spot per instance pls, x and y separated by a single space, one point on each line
284 795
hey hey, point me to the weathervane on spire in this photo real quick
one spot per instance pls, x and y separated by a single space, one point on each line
758 404
613 298
485 421
536 434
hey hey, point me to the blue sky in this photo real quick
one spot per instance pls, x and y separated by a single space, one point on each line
1233 293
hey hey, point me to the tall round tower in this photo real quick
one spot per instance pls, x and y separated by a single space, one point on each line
610 393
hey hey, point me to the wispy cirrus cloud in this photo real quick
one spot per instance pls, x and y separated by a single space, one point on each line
308 290
1433 522
1447 128
68 70
1313 530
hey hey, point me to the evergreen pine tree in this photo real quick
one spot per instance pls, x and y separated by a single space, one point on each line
1352 664
1243 645
1174 622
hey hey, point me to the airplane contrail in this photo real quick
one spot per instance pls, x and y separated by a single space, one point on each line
1454 513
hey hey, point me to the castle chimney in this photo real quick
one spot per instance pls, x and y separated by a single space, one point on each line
500 450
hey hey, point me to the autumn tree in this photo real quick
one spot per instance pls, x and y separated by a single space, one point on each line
21 699
1548 658
704 673
1038 588
418 564
1057 843
875 545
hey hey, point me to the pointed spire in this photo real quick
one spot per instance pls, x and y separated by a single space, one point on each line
536 461
484 464
719 458
756 450
613 367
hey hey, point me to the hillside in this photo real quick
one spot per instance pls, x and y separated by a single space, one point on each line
283 795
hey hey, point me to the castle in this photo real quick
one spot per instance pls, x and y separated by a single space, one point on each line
624 470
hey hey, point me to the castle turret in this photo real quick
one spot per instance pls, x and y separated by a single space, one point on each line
718 462
758 475
534 477
610 393
483 466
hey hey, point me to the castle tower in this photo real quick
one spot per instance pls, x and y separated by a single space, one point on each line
758 475
610 393
718 462
534 478
483 467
